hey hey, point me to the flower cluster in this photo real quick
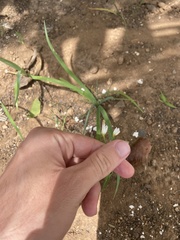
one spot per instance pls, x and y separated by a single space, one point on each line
105 129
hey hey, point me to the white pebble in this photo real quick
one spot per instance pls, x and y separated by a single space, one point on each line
76 119
136 134
140 81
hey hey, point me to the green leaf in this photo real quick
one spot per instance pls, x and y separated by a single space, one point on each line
35 108
8 115
106 181
88 94
62 82
164 99
98 123
107 121
130 99
117 184
86 120
16 88
13 65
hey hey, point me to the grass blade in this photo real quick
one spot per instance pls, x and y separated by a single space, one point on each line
8 115
106 181
107 121
89 95
16 88
63 83
164 99
131 100
98 124
86 120
13 65
117 184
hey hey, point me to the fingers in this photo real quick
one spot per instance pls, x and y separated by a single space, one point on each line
89 204
57 143
125 169
103 161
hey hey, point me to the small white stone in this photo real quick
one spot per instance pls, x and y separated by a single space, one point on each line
131 206
142 236
136 53
140 81
176 205
136 134
76 119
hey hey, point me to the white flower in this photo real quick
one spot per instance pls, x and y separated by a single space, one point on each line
95 128
103 91
104 128
140 81
76 119
89 128
115 88
116 131
83 89
136 134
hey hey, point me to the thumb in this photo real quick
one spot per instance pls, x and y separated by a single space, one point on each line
103 161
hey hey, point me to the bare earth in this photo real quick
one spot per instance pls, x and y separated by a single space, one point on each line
137 52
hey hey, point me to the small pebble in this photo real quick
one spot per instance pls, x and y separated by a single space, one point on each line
149 122
161 5
176 209
109 81
175 130
94 69
154 163
120 60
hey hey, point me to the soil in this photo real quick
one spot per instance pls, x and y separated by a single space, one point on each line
136 51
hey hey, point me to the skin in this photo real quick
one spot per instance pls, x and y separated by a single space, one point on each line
50 176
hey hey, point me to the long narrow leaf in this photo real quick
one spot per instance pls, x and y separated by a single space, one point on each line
67 70
13 65
63 83
86 120
98 123
117 184
130 99
106 181
164 99
8 115
107 121
16 88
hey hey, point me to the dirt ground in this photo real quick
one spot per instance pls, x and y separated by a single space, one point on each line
136 51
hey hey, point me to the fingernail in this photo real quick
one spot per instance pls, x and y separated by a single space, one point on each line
122 148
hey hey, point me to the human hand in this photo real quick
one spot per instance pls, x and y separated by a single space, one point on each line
51 174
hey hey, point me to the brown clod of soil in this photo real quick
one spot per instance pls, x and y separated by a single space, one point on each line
139 151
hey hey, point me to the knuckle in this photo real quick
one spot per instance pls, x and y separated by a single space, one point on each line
101 164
